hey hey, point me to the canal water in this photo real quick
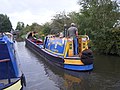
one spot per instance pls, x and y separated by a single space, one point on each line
40 75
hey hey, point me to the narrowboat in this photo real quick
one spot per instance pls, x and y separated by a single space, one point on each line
68 53
11 77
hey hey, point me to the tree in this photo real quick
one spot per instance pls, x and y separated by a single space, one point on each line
46 29
58 22
99 17
35 27
20 26
81 21
5 24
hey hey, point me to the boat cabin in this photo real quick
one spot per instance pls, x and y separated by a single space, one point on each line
66 47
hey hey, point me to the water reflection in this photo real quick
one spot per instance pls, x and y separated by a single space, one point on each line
107 64
66 79
43 76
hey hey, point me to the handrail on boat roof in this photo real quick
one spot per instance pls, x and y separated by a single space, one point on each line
4 60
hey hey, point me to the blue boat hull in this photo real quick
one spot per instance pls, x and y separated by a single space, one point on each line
79 67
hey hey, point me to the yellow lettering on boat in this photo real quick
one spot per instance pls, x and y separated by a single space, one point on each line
54 52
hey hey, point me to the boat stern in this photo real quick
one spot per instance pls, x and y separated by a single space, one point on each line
74 63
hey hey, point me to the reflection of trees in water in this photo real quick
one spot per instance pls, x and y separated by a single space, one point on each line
103 77
76 81
67 80
71 82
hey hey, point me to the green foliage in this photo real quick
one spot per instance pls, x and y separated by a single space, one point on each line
24 30
5 24
46 29
113 42
108 41
96 19
83 22
20 26
58 22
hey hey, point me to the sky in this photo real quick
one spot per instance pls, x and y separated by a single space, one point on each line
39 11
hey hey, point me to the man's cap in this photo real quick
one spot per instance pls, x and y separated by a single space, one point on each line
72 24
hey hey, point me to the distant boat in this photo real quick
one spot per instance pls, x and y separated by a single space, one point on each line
11 77
68 53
